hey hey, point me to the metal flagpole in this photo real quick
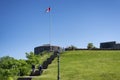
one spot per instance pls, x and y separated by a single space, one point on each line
58 53
49 20
50 28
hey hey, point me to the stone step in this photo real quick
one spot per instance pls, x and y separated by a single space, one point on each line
27 78
36 73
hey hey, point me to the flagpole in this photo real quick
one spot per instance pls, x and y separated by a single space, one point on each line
49 10
58 53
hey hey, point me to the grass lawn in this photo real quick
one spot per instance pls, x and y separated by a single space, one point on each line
85 65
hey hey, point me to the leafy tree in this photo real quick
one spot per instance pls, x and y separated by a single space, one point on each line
71 47
32 58
90 46
23 67
7 62
25 70
8 67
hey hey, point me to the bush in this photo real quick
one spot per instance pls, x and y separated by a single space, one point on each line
9 78
25 71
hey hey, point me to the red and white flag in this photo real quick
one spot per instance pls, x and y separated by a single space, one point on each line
48 9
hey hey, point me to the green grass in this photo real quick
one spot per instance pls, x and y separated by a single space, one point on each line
85 65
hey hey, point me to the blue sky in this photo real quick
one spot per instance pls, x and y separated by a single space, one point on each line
24 24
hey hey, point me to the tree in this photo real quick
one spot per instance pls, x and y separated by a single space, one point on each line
71 47
33 59
8 67
90 46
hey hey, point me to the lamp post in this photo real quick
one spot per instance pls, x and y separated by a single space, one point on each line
58 55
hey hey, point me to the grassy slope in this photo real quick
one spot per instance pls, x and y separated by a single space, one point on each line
85 65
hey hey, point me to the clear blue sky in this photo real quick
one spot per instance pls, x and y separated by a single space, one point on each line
25 25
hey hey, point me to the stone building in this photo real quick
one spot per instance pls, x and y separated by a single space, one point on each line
46 47
109 45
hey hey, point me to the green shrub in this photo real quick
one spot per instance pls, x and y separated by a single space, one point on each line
9 78
25 71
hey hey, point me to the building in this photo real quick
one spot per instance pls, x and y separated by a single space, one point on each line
109 45
46 47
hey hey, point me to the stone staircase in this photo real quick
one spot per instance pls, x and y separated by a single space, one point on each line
49 61
44 65
36 73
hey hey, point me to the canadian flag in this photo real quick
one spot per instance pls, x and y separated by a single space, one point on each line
48 9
